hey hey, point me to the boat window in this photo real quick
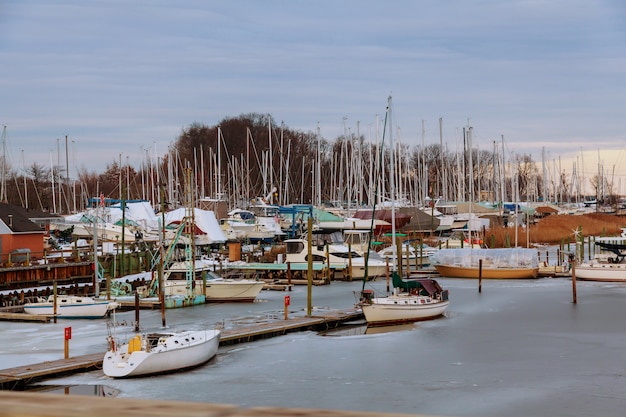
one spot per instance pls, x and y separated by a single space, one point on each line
177 275
316 258
346 255
294 247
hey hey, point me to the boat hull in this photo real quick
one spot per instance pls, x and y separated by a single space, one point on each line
487 273
601 272
174 352
68 309
397 309
232 290
218 290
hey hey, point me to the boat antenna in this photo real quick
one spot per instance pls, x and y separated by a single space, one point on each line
379 169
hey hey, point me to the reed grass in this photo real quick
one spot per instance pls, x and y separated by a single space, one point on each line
556 229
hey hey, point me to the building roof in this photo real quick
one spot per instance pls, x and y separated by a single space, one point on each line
16 219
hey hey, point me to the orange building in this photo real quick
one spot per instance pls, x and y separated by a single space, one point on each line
19 235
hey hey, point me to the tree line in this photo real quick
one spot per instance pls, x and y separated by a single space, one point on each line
244 158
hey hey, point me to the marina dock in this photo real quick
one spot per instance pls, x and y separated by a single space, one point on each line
49 405
21 376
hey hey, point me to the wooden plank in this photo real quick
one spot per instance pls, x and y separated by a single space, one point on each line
6 316
21 404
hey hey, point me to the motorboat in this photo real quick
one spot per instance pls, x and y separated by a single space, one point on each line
329 249
70 307
410 254
160 352
412 300
218 288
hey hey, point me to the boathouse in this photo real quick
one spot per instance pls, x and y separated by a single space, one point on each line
19 236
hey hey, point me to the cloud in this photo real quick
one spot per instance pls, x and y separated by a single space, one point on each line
117 77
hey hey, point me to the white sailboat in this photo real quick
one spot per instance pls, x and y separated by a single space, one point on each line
160 352
605 268
412 300
71 307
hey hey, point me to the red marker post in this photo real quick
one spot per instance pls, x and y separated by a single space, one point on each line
68 336
287 302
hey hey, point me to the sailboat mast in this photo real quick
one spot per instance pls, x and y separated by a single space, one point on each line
3 186
392 185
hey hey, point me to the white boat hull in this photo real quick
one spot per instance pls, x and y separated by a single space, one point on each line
173 351
232 290
218 290
601 272
70 308
402 308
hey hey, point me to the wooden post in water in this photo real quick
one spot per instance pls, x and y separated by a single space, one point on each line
480 275
309 304
136 311
574 281
67 336
399 256
289 275
418 260
287 302
54 298
349 261
327 257
408 261
387 272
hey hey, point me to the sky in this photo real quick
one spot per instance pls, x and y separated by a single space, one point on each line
106 81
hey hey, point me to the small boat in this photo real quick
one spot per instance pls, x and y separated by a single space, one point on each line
412 300
409 254
506 263
599 271
329 249
160 352
71 307
218 288
608 269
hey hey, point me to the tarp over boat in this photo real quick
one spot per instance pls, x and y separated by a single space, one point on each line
491 258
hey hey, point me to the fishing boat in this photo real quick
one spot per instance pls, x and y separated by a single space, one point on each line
502 263
607 269
160 352
71 307
218 288
412 300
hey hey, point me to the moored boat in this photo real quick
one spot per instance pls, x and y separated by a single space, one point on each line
218 288
505 263
597 271
71 307
607 269
160 352
412 300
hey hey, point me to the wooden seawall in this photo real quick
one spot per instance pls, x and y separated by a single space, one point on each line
20 376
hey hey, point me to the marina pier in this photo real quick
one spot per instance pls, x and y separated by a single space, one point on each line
19 377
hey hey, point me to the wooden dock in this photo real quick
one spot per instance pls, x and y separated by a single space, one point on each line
19 404
21 376
8 316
